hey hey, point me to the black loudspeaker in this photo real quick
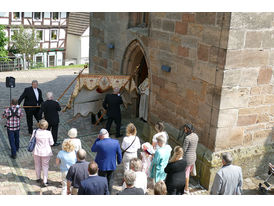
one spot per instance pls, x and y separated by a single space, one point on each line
10 82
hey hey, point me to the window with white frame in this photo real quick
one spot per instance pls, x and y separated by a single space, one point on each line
54 35
39 34
16 16
47 15
37 16
39 59
63 15
13 32
51 60
55 16
28 14
4 14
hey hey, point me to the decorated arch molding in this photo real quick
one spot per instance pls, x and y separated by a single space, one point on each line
133 49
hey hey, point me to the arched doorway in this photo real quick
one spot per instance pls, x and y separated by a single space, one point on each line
133 57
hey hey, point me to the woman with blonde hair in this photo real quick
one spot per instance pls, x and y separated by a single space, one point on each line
160 188
130 145
65 158
42 151
175 169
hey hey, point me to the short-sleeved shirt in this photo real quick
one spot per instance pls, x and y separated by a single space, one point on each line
67 159
77 173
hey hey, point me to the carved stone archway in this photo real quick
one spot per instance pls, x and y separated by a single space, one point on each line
135 55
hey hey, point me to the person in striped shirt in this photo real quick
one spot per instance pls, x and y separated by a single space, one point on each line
13 115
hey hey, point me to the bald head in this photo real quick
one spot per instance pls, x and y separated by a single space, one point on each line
81 154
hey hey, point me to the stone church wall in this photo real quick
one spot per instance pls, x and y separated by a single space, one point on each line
221 79
246 120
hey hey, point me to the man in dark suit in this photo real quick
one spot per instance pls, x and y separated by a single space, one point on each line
108 150
129 178
94 184
112 104
50 108
32 96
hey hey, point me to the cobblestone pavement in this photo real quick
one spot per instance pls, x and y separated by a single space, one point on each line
18 176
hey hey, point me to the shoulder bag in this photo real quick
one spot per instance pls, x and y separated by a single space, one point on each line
123 152
32 142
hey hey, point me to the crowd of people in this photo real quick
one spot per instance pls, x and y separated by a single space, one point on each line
142 163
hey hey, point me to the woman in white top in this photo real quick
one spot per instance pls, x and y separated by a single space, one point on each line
72 133
160 129
130 144
141 177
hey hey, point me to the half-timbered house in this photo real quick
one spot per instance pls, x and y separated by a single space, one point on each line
50 29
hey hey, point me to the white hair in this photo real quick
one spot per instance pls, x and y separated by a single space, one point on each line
50 95
161 139
129 177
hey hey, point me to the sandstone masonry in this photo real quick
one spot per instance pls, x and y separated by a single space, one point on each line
221 78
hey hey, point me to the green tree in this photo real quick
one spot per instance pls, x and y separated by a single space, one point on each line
24 42
3 43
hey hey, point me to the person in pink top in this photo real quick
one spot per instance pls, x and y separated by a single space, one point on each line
42 151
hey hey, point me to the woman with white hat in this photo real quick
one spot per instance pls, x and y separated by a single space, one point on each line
72 133
146 157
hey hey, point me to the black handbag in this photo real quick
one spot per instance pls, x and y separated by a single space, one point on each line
123 152
32 142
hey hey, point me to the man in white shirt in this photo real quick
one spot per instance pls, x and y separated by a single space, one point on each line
32 96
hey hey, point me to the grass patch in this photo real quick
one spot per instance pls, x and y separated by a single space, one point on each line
61 67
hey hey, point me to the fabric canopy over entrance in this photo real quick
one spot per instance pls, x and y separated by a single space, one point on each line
91 89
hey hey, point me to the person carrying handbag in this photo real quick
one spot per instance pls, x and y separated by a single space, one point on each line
32 142
130 145
42 151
